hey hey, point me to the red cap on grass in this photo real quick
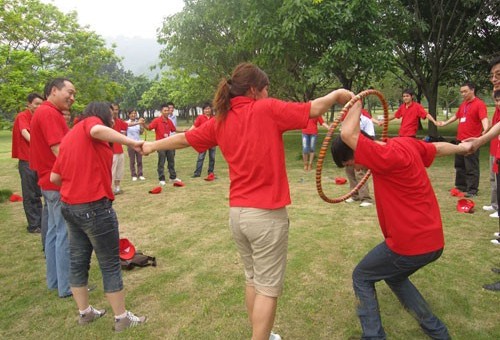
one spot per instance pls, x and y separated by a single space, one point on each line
15 198
127 249
178 184
210 177
465 205
156 190
340 180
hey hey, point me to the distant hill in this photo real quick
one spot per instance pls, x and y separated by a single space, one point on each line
139 53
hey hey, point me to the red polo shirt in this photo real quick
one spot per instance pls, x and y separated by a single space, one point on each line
48 127
121 127
312 126
84 164
494 141
407 207
410 116
200 120
469 117
20 146
162 126
251 140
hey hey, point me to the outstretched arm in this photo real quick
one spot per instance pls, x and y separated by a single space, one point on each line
350 126
429 117
107 134
322 104
445 149
177 141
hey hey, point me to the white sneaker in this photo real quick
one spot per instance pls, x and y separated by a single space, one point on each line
494 215
497 234
274 336
495 241
142 178
175 180
162 183
488 208
365 204
349 200
134 179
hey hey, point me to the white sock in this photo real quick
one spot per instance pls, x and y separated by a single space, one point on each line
121 316
83 312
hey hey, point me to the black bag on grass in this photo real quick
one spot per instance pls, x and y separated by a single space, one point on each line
139 260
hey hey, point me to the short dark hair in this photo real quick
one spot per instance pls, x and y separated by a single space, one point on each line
496 94
205 105
171 103
408 91
341 152
56 82
101 110
494 62
32 96
470 85
163 105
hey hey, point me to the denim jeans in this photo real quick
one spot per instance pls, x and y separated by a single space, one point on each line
32 202
169 155
94 227
201 159
56 245
308 143
381 263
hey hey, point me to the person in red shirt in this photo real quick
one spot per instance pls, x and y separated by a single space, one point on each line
32 202
309 136
493 206
472 116
411 112
48 127
118 168
164 127
409 217
249 126
200 120
83 170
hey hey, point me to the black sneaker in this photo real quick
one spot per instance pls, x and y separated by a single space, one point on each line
495 270
36 230
470 195
195 175
495 287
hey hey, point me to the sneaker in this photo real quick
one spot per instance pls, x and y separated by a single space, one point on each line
470 195
495 270
493 287
128 321
195 176
497 234
488 208
175 180
142 178
494 215
274 336
365 204
162 183
495 241
36 230
118 192
134 179
91 316
349 200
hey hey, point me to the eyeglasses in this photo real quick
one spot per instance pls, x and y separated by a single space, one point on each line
495 75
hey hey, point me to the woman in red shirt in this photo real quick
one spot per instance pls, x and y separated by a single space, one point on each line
248 128
83 170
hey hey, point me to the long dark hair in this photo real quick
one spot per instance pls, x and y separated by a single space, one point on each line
244 77
101 110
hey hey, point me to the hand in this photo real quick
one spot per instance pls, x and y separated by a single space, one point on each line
147 148
344 96
439 123
141 121
138 146
380 122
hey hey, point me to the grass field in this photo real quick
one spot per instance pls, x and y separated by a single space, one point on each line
196 291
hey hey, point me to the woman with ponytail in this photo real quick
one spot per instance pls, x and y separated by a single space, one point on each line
248 129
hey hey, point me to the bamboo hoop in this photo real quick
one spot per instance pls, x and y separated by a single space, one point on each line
328 138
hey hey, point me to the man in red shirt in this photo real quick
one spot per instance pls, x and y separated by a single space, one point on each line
118 167
309 136
164 127
473 121
32 202
48 127
409 218
208 114
411 112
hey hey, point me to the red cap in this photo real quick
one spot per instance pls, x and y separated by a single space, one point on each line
465 205
340 180
127 249
178 184
210 177
156 190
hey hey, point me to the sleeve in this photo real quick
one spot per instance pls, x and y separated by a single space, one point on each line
286 115
483 110
204 137
321 120
399 112
54 128
152 125
197 122
421 111
427 152
378 157
24 123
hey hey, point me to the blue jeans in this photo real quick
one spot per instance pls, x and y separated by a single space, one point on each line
56 245
308 143
381 263
94 227
201 159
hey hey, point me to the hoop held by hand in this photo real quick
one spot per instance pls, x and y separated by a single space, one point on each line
328 138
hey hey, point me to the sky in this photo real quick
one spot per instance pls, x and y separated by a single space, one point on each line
129 18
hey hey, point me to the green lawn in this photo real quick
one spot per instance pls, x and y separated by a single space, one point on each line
196 292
